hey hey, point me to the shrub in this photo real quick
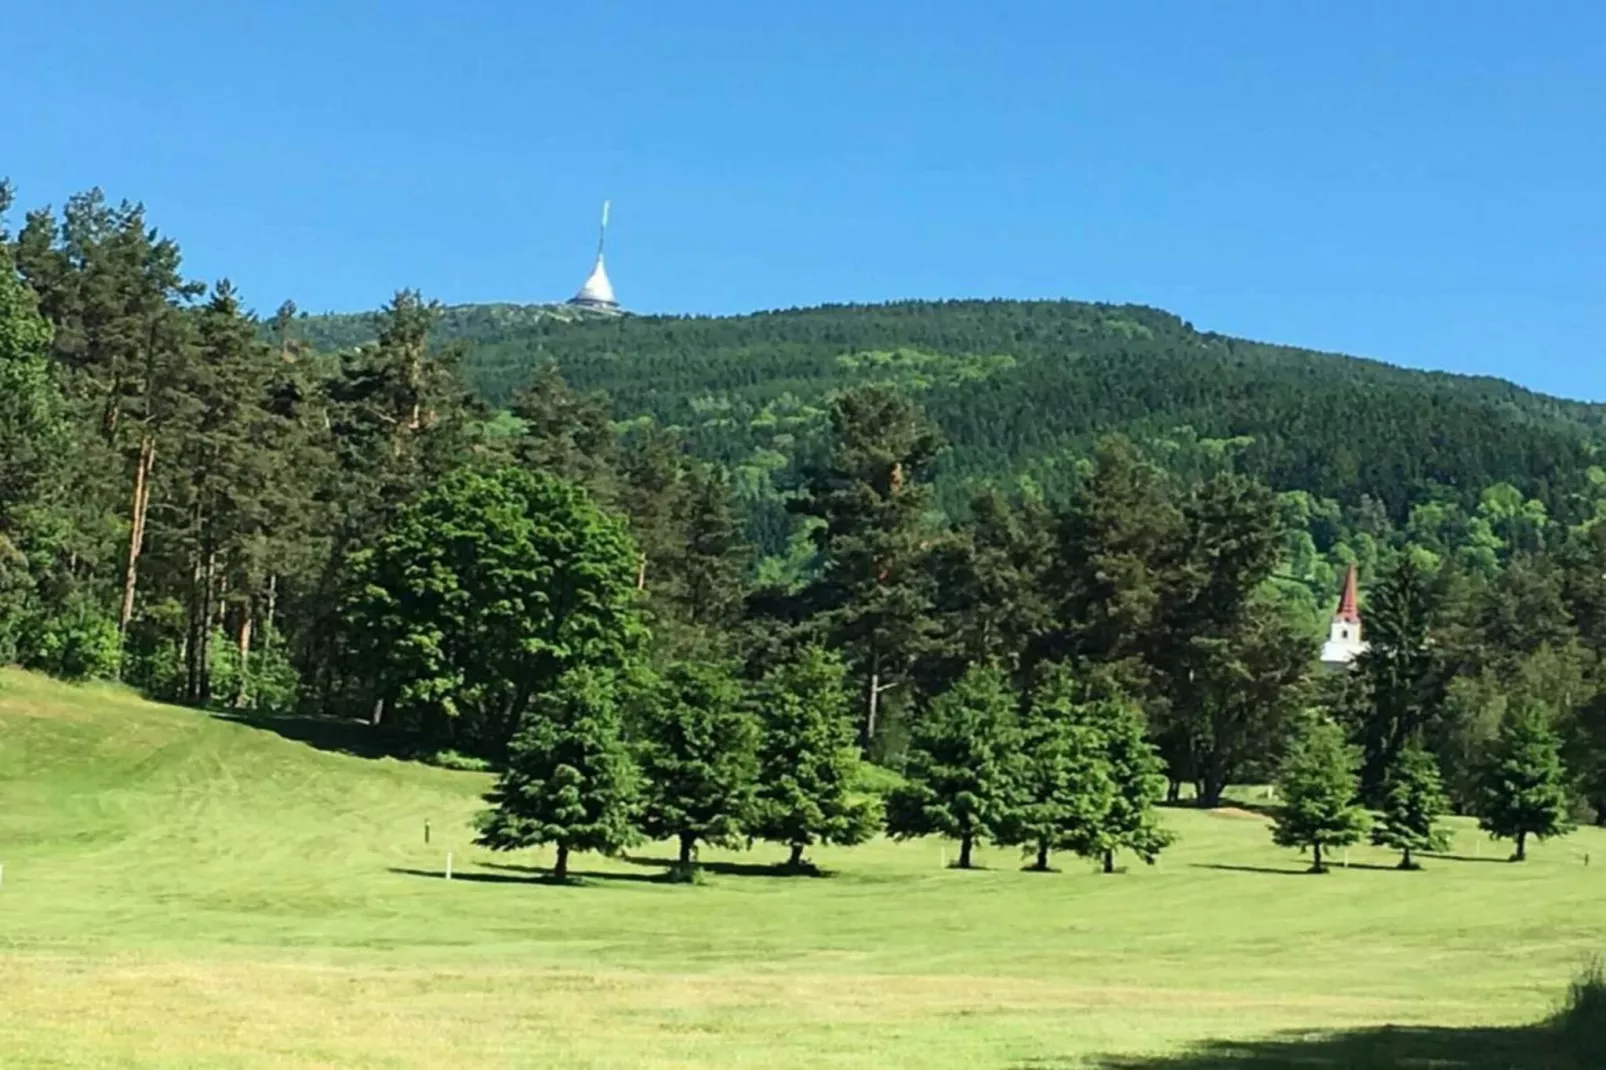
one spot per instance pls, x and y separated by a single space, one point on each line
78 644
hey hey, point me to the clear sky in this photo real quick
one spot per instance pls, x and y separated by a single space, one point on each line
1419 181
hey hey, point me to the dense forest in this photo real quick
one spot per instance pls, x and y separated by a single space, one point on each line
1049 562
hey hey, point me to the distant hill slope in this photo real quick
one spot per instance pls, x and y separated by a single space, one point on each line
1022 387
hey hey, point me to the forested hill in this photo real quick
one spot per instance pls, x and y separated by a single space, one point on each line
1020 388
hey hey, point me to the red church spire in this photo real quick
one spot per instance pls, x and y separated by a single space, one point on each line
1348 609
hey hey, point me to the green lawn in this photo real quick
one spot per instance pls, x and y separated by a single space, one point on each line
183 891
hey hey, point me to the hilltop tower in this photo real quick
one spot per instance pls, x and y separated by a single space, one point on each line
1344 643
597 292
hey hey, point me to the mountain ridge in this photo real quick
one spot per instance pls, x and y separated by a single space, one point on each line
1021 389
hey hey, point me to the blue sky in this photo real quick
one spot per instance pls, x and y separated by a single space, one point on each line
1421 182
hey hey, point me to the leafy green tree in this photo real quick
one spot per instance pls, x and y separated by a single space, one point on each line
34 438
963 775
1065 788
483 593
1524 783
808 758
1413 802
872 594
1137 778
570 780
699 757
1318 787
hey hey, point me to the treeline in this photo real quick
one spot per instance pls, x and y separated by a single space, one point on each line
220 514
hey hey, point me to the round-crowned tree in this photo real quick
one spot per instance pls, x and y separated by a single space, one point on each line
482 593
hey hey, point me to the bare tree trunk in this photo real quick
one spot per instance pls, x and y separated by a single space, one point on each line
242 689
193 648
560 868
208 609
139 507
872 703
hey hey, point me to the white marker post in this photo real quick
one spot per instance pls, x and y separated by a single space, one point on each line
448 865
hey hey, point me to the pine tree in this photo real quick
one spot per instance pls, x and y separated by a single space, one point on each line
1137 778
872 496
1413 801
699 758
569 779
1524 789
808 757
1065 789
1404 673
1318 787
962 777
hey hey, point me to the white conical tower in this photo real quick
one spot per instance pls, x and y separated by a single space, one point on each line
597 291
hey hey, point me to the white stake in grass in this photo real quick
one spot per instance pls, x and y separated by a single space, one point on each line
448 865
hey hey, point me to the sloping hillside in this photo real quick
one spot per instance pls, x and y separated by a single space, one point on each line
1022 387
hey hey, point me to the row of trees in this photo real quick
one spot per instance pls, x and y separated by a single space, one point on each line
1523 793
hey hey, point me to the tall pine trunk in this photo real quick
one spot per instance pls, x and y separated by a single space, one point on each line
965 841
795 860
242 645
687 842
1316 864
138 509
1041 865
1522 846
1109 861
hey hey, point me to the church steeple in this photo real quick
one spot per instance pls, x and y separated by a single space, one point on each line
1344 643
597 291
1348 604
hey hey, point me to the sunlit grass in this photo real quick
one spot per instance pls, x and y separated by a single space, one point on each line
183 891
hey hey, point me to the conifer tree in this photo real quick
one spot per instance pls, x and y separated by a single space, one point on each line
872 496
807 758
1318 786
699 758
1524 789
569 779
1137 780
1065 791
1404 673
1413 802
962 778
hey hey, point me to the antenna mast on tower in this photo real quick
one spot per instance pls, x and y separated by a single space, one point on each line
596 292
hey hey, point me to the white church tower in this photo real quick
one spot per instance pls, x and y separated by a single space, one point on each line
1344 643
597 292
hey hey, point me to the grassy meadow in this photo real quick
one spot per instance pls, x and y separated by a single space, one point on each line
184 891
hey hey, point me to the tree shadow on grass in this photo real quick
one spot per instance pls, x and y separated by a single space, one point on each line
1497 860
734 869
1574 1038
342 735
1535 1047
1303 871
531 875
